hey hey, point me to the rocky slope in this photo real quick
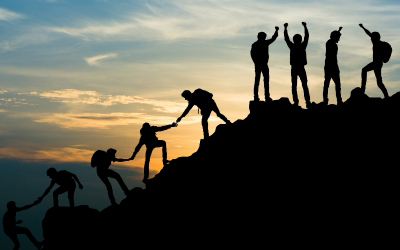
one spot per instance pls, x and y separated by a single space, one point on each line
283 175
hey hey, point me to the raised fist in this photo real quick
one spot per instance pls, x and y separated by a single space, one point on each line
361 25
304 23
276 28
286 24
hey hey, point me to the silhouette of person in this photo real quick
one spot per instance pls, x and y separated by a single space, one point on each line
331 66
102 160
149 138
259 54
376 64
298 59
203 100
66 180
10 224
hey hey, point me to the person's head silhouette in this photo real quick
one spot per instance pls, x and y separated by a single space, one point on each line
375 36
146 125
335 36
261 36
297 39
186 94
51 172
111 152
11 205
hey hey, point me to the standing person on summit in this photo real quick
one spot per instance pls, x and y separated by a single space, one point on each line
203 100
380 55
298 59
259 54
331 66
149 138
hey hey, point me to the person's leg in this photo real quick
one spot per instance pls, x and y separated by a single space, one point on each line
23 230
204 122
115 175
378 74
103 177
304 81
328 77
265 72
71 192
13 236
364 71
149 150
57 192
293 73
257 83
221 116
336 80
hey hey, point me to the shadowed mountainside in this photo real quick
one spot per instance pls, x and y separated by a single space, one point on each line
283 175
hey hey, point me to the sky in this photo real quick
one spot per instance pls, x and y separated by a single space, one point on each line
77 76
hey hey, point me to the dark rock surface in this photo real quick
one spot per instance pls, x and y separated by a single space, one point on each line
287 175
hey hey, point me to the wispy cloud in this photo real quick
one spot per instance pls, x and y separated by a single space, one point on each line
7 15
67 154
106 121
2 91
94 61
92 97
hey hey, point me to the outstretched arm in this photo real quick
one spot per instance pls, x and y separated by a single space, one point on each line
287 40
187 110
366 31
47 191
306 35
19 209
137 149
77 181
163 128
273 38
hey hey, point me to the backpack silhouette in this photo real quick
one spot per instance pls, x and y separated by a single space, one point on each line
98 158
201 94
386 51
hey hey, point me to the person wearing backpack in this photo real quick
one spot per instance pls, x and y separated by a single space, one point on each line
149 138
203 100
260 56
298 59
331 66
10 225
66 180
381 53
102 160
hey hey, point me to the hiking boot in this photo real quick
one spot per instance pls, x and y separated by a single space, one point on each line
165 162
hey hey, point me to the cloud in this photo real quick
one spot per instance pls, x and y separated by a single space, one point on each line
3 111
3 91
7 15
66 154
94 61
105 121
75 96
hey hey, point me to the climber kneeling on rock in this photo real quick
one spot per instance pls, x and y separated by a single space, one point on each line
203 100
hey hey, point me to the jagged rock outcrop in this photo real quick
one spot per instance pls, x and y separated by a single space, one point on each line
281 173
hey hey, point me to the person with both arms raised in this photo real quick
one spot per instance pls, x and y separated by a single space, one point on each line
298 59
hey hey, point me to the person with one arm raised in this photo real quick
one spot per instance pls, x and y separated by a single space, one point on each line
381 53
298 59
260 56
331 66
66 180
149 138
